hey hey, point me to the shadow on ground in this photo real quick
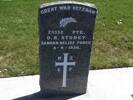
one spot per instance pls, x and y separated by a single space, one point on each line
37 96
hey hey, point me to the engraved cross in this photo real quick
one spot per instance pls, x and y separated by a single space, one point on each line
65 65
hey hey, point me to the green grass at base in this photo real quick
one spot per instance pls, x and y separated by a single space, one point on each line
112 45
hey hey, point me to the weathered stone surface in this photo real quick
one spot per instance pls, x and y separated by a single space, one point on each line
66 34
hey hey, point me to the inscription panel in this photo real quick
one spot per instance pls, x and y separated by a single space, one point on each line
66 34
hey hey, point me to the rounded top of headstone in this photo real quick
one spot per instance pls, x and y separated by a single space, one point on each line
68 2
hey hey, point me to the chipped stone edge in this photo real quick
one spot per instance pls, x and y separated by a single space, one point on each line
68 2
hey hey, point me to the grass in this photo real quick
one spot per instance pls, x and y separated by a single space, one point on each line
112 46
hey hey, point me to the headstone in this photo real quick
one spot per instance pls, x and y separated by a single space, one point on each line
66 34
